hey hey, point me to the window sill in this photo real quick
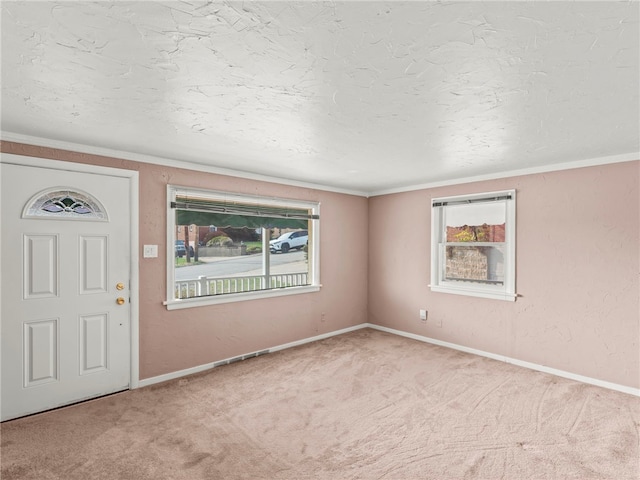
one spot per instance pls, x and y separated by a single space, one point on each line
238 297
510 297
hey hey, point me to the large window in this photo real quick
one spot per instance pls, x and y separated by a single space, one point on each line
225 247
473 245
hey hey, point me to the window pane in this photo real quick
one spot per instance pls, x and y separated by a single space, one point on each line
473 245
481 264
482 222
231 260
289 258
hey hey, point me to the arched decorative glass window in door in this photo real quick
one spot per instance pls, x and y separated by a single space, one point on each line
65 204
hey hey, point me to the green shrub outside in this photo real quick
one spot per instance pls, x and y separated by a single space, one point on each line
219 241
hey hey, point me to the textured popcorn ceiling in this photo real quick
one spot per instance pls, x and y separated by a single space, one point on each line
360 95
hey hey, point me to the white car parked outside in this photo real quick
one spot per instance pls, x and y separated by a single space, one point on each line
289 241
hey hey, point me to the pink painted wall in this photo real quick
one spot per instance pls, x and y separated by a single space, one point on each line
578 238
180 339
578 243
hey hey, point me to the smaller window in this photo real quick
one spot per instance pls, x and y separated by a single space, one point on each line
473 245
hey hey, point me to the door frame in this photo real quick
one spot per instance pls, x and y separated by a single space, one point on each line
133 178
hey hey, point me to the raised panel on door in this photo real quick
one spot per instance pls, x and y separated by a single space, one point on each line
94 338
41 350
93 260
40 271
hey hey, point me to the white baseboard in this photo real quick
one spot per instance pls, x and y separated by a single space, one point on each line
513 361
318 337
207 366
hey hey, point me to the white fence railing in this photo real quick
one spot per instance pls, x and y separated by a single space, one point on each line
204 285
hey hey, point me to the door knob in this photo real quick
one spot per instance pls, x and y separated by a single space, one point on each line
120 301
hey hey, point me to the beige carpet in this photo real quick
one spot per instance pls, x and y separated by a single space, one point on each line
365 405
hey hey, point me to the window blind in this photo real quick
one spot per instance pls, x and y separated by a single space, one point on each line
226 213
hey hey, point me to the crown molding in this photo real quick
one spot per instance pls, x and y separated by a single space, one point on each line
138 157
593 162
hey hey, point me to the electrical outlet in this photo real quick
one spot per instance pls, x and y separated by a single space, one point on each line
423 315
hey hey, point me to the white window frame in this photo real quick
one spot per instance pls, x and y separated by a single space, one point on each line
507 291
314 251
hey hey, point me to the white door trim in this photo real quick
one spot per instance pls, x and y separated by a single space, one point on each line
132 176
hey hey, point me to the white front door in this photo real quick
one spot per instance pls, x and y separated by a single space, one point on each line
65 287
